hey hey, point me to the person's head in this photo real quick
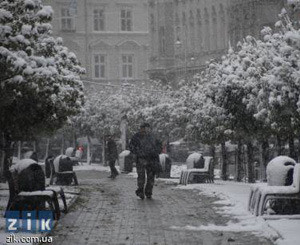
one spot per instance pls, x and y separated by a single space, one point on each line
145 128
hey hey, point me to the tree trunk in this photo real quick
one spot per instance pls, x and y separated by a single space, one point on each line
212 153
299 148
292 149
104 152
224 162
2 156
239 162
19 149
88 152
47 148
6 156
123 129
265 157
34 146
74 139
279 146
62 149
251 178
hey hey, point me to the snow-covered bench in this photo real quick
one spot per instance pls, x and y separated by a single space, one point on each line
205 174
62 170
25 176
126 159
261 195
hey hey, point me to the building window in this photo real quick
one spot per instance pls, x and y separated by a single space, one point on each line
126 20
99 22
100 66
127 66
67 20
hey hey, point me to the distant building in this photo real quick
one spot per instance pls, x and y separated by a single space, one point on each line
109 37
185 34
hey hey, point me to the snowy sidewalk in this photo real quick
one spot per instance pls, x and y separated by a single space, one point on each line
234 200
108 212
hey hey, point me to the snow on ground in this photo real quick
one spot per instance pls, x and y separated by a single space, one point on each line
176 170
175 173
234 201
133 173
93 166
288 229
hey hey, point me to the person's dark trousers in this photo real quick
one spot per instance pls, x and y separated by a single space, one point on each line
144 169
114 171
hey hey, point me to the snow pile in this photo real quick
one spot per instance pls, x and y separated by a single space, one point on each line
277 170
194 157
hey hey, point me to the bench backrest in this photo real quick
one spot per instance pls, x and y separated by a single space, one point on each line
278 169
296 177
192 159
31 178
62 163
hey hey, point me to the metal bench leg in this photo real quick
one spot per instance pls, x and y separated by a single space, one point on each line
75 179
63 198
250 201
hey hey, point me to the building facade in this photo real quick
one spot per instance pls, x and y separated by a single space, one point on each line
185 34
109 37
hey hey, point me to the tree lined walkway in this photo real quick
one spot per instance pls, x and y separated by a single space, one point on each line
108 212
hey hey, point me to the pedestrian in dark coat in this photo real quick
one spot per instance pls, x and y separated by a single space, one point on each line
111 155
147 149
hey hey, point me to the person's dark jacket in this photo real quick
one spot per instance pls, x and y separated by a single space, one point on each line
145 146
111 151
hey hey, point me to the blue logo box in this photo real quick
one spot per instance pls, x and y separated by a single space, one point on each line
31 221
